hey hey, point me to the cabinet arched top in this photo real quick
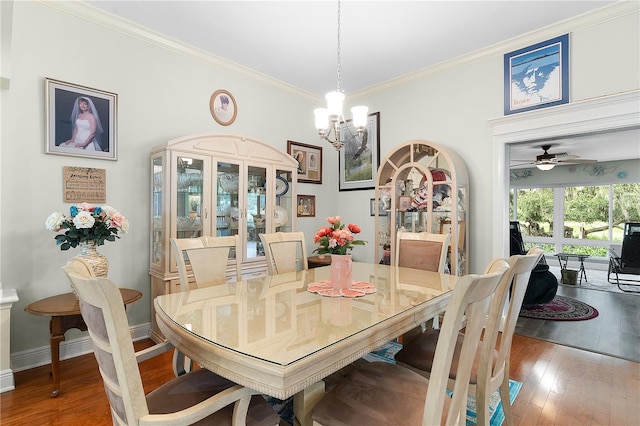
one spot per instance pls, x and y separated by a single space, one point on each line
426 153
229 146
423 187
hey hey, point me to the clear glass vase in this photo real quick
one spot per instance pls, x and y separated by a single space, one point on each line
341 270
89 253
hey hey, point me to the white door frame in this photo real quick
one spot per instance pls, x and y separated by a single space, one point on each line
603 114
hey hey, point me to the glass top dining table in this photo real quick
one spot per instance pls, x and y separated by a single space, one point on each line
273 335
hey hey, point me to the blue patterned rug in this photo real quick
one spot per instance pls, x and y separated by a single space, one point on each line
386 354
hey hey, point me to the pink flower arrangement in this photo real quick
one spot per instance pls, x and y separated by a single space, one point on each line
86 222
337 238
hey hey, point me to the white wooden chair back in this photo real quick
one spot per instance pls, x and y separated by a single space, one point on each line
285 252
208 259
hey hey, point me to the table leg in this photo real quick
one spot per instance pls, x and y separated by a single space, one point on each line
57 327
583 272
56 336
304 401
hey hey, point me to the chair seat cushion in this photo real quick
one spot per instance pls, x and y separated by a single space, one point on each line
420 351
189 389
375 394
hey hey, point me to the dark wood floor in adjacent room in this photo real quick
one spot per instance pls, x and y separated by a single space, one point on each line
561 386
615 331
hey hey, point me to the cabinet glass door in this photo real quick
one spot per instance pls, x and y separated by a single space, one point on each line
283 209
227 202
157 225
256 209
189 201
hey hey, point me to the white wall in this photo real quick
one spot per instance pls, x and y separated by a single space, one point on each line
450 104
163 94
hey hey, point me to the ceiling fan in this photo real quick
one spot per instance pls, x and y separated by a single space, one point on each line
547 161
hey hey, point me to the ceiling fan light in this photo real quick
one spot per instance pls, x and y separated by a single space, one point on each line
545 166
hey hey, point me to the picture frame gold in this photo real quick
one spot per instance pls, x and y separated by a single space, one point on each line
306 205
309 158
223 107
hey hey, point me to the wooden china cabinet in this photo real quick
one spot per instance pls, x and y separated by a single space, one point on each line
423 187
217 185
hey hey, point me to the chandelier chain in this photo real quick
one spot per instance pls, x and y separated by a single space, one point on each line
338 52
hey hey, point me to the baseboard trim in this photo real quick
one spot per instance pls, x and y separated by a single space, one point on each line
6 380
40 356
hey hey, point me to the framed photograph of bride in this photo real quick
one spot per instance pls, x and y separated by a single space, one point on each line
80 121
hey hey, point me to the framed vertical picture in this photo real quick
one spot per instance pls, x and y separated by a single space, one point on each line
404 203
377 206
359 158
537 76
223 107
80 121
309 158
306 205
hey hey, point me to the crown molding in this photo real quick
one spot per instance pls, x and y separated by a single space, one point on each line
87 12
607 13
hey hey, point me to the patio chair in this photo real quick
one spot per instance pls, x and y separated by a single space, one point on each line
627 262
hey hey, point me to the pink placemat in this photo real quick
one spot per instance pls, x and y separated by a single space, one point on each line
357 289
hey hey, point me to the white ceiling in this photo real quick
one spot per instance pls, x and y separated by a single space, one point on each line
296 41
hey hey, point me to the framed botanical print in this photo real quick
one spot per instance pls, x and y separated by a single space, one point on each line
80 121
309 158
537 76
359 158
223 107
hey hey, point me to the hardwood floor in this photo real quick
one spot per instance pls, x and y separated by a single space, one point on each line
561 386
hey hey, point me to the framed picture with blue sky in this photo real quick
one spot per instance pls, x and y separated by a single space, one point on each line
537 76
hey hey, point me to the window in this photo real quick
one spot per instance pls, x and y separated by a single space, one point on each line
575 219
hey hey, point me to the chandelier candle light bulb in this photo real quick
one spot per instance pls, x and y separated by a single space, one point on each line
330 118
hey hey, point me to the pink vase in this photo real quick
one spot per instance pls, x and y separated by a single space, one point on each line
341 271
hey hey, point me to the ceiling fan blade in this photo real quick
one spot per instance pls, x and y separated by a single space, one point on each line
576 161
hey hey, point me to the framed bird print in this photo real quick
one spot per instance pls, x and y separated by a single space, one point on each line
359 158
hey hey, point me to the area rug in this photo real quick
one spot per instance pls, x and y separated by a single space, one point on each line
561 308
386 354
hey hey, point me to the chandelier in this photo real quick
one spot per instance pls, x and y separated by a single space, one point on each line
329 119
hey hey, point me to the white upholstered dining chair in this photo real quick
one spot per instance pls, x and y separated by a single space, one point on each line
491 370
285 252
198 396
380 393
